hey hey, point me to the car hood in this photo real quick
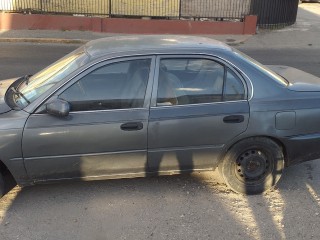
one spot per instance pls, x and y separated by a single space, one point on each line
4 85
298 80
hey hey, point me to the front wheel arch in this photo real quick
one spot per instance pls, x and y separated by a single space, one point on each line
7 180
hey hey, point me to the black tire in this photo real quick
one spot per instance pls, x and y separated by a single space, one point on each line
1 185
253 165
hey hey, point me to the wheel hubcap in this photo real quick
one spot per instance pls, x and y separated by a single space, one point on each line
252 165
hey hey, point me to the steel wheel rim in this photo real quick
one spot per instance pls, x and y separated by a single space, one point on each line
252 166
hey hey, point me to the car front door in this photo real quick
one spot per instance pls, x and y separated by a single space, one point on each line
198 106
105 132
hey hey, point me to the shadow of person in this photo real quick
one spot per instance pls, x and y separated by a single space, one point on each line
174 161
300 190
292 209
167 207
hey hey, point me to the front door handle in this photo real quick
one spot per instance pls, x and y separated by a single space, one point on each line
132 126
233 119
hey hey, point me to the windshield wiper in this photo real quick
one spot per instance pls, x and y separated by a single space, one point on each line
15 91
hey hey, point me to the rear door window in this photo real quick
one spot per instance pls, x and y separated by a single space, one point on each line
233 88
196 81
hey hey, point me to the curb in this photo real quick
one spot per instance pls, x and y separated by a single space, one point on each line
16 21
44 40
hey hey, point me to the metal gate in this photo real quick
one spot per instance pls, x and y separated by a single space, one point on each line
271 13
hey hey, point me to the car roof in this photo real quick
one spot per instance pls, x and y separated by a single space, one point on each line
105 46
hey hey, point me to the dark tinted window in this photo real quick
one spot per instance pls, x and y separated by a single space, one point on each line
189 81
114 86
234 89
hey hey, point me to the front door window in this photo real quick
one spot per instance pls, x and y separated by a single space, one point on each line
115 86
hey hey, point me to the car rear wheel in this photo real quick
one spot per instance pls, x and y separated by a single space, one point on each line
253 165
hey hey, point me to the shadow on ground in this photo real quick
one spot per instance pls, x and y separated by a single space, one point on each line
196 206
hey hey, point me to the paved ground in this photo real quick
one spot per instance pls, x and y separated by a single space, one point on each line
17 59
304 34
175 207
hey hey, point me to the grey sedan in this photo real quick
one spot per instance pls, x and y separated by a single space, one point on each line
155 105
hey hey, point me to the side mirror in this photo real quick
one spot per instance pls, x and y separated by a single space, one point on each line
58 108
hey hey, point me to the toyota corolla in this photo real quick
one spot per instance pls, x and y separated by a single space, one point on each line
154 105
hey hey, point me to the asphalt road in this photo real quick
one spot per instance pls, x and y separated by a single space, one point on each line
18 59
174 207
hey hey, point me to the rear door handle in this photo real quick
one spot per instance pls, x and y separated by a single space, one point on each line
233 119
132 126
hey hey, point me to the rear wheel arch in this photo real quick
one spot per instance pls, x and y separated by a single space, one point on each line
274 139
253 165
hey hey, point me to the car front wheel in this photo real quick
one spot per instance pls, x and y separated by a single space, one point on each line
253 165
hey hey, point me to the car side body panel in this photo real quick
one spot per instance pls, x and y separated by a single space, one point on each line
268 99
88 144
11 131
84 145
292 122
195 131
192 137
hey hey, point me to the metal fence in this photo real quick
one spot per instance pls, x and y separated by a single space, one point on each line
223 9
236 9
270 12
275 13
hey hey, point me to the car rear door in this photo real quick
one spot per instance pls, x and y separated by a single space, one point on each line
198 105
105 133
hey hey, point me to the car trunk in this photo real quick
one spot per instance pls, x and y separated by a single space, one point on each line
299 81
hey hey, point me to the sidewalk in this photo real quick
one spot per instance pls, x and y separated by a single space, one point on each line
304 34
81 37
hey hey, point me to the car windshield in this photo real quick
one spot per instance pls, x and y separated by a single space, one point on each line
262 68
39 83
